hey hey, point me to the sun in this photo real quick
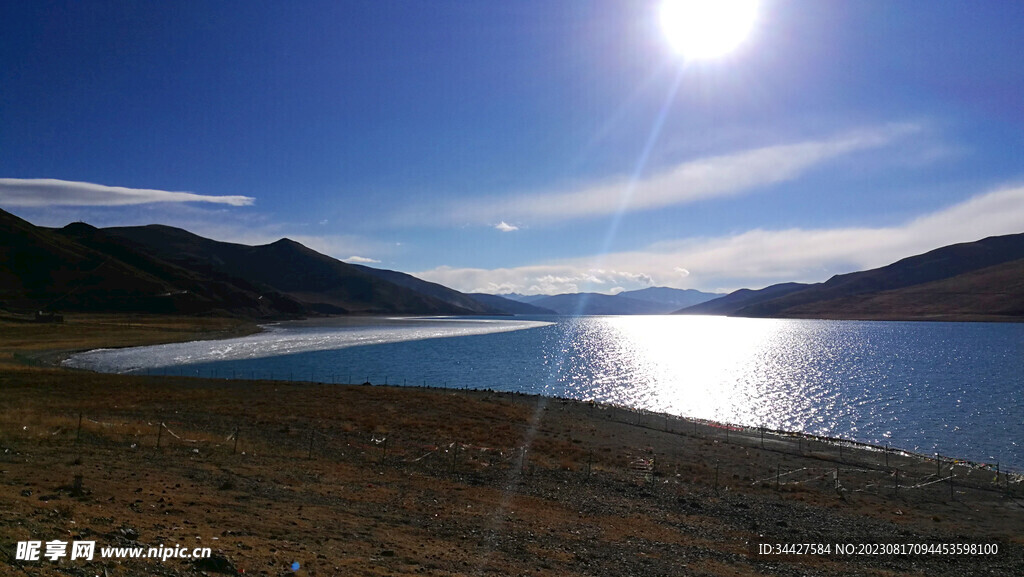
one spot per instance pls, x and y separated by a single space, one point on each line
704 29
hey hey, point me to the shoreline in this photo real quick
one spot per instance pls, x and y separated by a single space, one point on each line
392 480
56 359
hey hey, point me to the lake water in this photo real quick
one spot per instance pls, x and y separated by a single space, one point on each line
952 388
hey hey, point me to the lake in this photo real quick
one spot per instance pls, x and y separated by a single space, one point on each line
952 388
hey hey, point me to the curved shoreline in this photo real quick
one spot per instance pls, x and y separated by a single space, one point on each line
465 478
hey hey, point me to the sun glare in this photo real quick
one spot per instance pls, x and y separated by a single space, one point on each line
703 29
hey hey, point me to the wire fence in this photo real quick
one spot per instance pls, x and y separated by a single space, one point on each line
688 452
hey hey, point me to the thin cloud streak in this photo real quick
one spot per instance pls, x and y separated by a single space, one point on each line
40 192
755 258
360 260
721 176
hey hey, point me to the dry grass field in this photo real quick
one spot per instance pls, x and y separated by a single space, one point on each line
373 480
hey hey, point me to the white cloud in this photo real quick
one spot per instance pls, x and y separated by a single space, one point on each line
505 227
38 192
754 258
360 260
691 181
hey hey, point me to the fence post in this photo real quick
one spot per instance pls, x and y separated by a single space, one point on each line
159 433
312 433
897 491
887 455
762 436
716 476
235 448
778 470
384 452
78 434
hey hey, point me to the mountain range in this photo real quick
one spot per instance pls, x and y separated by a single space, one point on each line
161 269
648 301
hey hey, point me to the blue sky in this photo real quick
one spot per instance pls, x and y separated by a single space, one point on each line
523 146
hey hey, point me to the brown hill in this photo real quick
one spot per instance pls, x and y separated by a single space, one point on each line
323 284
951 282
160 269
43 270
995 293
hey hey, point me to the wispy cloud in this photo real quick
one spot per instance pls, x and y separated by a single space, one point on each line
720 176
360 260
754 258
39 192
505 227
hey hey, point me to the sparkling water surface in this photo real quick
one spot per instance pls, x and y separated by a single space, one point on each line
952 388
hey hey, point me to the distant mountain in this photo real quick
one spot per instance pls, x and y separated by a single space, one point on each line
734 301
598 304
323 284
441 292
510 306
672 298
523 298
648 301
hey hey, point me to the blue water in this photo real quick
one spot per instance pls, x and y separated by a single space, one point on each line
952 388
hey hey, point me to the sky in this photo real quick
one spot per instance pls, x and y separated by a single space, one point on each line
525 146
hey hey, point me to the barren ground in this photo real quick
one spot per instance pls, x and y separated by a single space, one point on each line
373 480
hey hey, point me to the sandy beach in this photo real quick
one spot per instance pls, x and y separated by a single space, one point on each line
378 480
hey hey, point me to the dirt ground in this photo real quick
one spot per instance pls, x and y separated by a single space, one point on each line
374 480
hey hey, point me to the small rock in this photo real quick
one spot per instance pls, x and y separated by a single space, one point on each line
217 563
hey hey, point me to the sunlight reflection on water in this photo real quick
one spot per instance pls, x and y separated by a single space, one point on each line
957 388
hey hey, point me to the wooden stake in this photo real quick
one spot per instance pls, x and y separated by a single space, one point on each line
312 432
78 434
159 433
235 448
